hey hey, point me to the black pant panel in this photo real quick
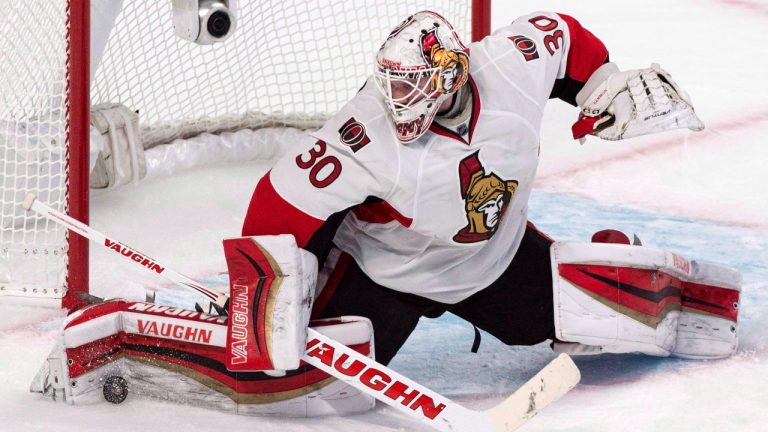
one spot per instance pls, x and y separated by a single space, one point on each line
516 308
392 314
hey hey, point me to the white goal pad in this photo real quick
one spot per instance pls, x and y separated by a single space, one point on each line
616 298
120 349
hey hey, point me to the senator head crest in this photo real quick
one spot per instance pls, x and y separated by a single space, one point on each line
486 198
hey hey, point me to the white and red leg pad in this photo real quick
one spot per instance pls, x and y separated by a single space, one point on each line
707 326
618 298
272 284
179 355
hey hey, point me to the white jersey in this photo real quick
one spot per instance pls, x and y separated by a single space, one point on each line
442 216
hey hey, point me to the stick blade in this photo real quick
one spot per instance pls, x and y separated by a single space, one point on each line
547 386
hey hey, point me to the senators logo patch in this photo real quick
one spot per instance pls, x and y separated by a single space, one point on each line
526 46
486 198
353 134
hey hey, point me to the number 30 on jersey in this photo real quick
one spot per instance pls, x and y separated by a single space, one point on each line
552 41
323 170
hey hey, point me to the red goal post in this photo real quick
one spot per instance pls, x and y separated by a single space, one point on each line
78 83
291 53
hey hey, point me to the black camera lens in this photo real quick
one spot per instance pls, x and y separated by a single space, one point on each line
219 24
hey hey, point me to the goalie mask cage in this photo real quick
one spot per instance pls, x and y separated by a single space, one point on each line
289 62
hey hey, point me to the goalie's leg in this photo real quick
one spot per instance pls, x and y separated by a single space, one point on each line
517 307
617 298
120 348
348 291
609 298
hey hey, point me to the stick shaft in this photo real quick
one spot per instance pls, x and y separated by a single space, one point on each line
391 387
132 255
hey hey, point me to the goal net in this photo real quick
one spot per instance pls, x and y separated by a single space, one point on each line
289 63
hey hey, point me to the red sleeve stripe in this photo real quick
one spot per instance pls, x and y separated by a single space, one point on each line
270 214
586 53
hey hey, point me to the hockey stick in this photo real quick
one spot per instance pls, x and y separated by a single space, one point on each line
399 392
218 301
370 377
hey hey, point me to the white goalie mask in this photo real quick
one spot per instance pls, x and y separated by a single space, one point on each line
418 67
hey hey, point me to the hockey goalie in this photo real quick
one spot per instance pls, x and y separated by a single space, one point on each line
412 202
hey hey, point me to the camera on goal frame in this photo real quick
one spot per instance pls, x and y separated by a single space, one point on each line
204 22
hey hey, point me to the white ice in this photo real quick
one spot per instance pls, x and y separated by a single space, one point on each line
700 194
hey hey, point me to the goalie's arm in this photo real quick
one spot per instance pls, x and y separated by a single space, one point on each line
617 105
269 213
554 51
547 55
584 54
311 188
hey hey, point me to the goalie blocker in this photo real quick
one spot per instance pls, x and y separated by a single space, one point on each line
620 298
272 285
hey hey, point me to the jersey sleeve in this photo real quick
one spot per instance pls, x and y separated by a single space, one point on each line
545 54
350 159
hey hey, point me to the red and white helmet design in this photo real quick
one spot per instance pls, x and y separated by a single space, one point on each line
418 67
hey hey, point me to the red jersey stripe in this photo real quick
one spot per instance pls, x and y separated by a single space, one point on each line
380 212
265 204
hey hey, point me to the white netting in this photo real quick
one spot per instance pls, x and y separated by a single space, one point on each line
300 59
33 51
289 62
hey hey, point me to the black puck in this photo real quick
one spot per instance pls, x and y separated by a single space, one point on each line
115 389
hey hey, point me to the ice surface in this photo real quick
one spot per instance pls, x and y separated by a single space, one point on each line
699 194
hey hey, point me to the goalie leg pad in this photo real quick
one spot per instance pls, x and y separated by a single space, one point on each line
618 298
116 141
178 355
708 322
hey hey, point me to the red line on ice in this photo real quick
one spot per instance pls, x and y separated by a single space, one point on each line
750 121
750 6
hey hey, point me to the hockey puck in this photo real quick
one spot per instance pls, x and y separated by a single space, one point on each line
115 389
